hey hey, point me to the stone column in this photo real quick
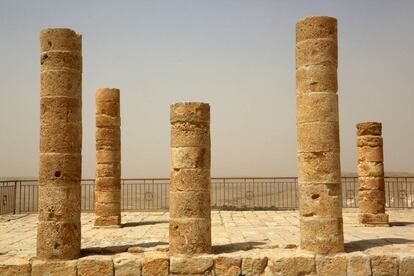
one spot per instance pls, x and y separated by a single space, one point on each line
371 175
108 158
319 171
59 228
190 220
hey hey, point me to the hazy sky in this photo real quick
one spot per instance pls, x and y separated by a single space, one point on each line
238 56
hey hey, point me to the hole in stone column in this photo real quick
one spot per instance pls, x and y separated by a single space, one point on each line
57 245
44 57
57 173
49 43
315 196
311 214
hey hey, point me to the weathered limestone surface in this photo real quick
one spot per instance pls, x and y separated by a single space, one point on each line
371 194
96 265
108 158
59 233
190 219
54 267
320 206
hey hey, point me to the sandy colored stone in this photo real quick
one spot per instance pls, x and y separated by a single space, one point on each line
107 95
58 239
61 138
107 184
190 180
127 264
108 196
370 169
358 264
108 135
108 170
59 202
191 265
380 219
254 265
190 134
155 264
371 141
317 51
108 156
321 107
54 268
107 121
372 154
59 168
406 267
189 236
318 137
190 112
371 201
107 208
382 265
190 158
314 27
190 204
95 265
323 200
331 265
291 264
58 235
319 167
227 265
16 267
322 235
371 183
369 128
316 78
105 220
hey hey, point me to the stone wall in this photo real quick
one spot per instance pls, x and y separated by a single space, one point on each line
277 261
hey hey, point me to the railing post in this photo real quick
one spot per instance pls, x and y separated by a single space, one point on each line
15 197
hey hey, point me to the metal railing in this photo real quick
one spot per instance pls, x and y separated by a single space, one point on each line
270 193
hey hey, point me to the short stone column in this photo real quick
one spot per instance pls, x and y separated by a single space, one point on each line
108 158
59 228
371 194
190 219
319 171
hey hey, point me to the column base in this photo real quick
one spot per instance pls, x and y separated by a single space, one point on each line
108 222
373 220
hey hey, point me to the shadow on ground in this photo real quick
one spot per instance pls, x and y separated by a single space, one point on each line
362 245
141 223
109 250
233 247
401 223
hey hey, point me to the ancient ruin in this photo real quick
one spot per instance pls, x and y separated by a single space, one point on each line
190 218
319 175
59 228
108 158
371 195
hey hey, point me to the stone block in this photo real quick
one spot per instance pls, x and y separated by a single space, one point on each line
54 267
406 266
155 264
190 158
189 235
61 60
254 265
319 167
107 209
190 204
107 220
107 184
58 39
60 168
373 154
358 264
107 95
190 180
95 265
316 78
108 156
61 138
60 109
190 134
16 267
331 265
291 264
317 51
371 201
127 264
103 120
318 137
371 183
313 27
369 128
384 265
108 108
191 265
317 107
227 265
190 112
108 170
370 141
370 169
58 83
380 219
108 196
323 200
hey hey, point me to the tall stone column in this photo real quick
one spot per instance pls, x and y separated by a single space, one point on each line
108 158
371 175
59 228
190 219
319 170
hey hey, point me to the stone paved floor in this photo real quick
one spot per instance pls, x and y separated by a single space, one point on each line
230 229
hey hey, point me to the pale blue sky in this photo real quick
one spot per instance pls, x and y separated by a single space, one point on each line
236 55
